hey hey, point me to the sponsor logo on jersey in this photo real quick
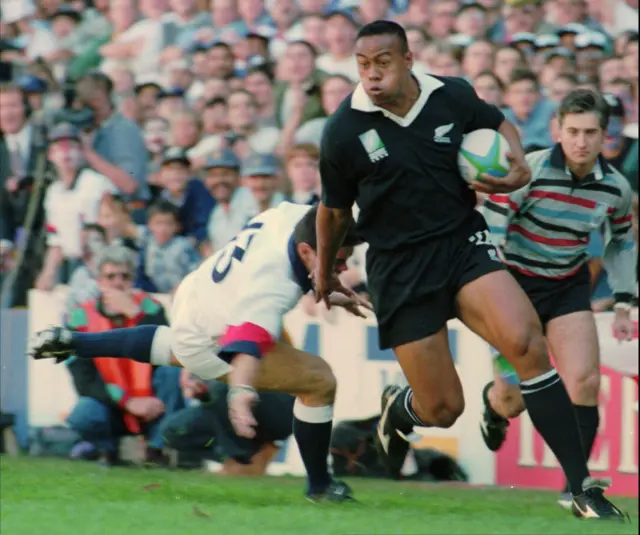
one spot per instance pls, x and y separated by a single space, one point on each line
441 133
373 145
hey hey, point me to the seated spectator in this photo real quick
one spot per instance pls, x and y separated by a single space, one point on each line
528 110
235 205
120 397
165 257
340 33
302 170
260 174
70 201
489 88
116 221
259 82
333 91
189 195
245 134
302 86
156 139
561 87
205 429
83 286
507 60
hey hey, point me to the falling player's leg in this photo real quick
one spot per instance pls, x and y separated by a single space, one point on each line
309 378
150 344
497 309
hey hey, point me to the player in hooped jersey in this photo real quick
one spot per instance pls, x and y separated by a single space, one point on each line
226 319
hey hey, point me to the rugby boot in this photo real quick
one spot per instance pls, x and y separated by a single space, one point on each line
336 492
53 343
392 442
493 426
592 503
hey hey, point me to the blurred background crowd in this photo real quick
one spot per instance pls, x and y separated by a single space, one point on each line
139 136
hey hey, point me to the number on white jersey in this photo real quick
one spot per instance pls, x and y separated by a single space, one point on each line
234 250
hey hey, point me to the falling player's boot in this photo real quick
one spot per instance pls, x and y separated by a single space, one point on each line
336 492
53 343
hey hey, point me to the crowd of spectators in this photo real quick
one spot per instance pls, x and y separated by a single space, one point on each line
163 126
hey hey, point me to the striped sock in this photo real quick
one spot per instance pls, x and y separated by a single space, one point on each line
554 417
402 414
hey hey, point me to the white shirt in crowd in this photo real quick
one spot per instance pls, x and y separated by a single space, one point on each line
21 143
346 67
68 209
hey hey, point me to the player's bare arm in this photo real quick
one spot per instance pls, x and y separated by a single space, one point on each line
331 228
519 171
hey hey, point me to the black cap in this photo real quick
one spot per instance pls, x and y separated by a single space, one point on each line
175 154
66 10
616 107
63 131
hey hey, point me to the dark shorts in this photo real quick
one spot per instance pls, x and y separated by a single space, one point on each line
414 289
553 298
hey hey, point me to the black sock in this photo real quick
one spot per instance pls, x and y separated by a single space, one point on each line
312 428
554 417
589 421
401 413
133 343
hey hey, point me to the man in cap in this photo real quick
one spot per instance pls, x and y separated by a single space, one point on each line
260 174
70 202
235 205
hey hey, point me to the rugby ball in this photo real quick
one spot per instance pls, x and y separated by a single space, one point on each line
483 152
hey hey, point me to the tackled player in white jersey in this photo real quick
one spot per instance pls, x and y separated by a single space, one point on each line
226 322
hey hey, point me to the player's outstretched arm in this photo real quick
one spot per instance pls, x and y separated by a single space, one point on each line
620 259
242 395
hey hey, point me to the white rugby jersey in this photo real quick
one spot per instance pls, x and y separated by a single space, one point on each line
246 288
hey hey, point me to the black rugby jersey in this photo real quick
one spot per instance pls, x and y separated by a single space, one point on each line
403 171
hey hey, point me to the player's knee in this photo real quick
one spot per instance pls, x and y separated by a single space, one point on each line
584 387
446 413
526 350
321 384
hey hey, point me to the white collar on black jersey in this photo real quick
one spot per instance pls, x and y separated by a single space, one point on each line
428 84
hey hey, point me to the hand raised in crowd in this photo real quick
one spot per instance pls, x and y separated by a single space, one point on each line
46 281
146 408
120 302
11 184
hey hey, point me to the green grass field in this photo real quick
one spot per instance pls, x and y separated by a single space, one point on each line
47 497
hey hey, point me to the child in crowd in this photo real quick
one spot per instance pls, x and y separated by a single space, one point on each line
302 169
165 257
189 195
82 284
116 221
